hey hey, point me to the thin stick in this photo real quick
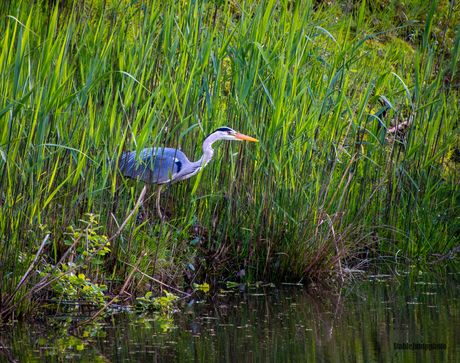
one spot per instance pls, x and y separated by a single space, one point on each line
26 275
158 281
116 296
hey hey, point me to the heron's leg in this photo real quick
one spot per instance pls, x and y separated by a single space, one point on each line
158 200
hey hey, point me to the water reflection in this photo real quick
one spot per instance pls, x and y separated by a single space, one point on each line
365 321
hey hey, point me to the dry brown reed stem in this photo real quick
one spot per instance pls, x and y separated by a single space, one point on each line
158 281
331 225
26 275
447 255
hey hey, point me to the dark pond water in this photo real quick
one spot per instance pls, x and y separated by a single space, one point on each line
410 316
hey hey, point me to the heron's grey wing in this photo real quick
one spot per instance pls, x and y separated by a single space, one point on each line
170 164
154 165
130 166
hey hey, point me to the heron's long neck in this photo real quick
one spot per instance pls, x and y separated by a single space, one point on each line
208 152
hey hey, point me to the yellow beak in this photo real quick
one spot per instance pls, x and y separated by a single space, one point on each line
244 137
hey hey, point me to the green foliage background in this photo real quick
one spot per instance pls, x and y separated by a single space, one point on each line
319 84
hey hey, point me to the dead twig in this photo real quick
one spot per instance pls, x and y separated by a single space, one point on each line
26 275
158 281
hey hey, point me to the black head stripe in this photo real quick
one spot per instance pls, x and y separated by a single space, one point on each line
223 129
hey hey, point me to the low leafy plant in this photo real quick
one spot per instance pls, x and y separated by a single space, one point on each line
88 245
72 286
163 304
202 287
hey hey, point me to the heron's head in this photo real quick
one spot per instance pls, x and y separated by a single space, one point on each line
226 133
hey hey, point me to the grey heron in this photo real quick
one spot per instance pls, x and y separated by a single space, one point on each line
166 165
